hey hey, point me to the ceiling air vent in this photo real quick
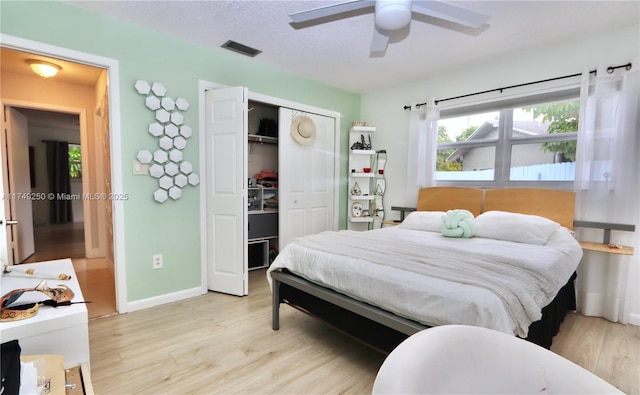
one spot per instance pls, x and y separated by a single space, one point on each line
240 48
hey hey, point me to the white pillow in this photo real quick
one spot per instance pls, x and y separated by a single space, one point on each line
430 221
520 228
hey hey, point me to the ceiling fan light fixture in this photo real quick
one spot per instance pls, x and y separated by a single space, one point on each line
392 14
44 69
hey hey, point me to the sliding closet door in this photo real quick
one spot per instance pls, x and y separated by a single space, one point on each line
306 179
226 190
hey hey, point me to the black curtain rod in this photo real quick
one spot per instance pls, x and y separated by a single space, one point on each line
610 70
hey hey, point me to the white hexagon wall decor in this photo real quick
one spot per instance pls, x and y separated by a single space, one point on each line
180 180
167 164
165 182
155 129
163 115
142 87
194 179
175 193
177 118
175 155
160 156
171 169
168 103
185 131
152 102
179 142
158 88
156 171
186 167
171 130
160 195
165 142
182 104
144 156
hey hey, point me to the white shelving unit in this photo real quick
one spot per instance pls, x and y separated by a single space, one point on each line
366 180
260 200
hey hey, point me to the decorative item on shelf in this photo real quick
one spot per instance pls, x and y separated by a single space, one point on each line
367 145
268 127
378 191
366 169
356 191
267 178
166 164
356 209
358 123
365 213
380 212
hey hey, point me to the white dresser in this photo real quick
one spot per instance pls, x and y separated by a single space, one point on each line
54 330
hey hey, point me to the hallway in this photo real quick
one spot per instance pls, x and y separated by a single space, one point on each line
95 275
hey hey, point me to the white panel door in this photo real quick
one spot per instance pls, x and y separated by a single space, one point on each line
17 221
226 190
306 179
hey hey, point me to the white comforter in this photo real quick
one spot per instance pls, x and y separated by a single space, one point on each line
437 280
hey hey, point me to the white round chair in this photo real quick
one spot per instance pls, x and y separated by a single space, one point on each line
460 359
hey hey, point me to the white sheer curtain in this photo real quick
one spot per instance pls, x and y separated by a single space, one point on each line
421 149
607 185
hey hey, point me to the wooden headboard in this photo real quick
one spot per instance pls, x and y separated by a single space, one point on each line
450 198
554 204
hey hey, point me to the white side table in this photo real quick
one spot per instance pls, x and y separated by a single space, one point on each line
54 330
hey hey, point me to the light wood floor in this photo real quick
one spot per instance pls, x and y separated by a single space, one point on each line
97 282
224 344
58 241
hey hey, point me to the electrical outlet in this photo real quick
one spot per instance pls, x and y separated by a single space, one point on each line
157 262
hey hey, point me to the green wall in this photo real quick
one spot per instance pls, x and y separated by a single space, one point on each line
172 228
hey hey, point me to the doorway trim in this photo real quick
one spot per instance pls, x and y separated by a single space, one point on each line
113 88
203 86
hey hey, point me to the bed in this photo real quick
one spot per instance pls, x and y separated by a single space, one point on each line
384 285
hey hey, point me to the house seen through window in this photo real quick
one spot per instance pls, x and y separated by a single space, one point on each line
75 161
525 143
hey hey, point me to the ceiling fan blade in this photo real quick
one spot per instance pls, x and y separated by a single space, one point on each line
450 12
330 10
379 42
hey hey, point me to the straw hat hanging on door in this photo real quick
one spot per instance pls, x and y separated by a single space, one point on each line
303 130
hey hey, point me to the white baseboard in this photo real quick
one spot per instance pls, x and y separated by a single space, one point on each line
166 298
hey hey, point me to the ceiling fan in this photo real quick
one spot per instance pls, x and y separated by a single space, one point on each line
392 15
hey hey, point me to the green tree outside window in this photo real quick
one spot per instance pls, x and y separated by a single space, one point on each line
564 118
75 161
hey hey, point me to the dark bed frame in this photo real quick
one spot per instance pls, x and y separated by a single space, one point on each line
384 330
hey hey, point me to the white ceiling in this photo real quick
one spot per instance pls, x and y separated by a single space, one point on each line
337 52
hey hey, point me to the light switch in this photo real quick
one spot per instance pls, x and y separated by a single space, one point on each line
140 169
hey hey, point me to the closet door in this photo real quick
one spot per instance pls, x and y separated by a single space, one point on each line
226 190
306 178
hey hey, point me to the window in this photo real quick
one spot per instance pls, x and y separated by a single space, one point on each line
75 161
524 143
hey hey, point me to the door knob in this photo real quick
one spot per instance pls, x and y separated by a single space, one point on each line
9 222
